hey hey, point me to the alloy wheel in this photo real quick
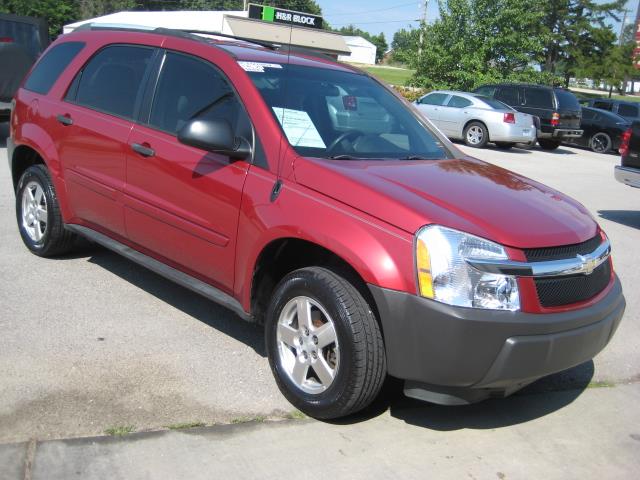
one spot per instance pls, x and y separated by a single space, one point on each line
475 135
600 143
34 211
307 343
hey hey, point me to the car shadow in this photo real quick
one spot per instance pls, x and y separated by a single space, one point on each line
4 133
629 218
541 398
194 305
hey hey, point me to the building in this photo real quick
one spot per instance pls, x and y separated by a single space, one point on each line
362 51
281 27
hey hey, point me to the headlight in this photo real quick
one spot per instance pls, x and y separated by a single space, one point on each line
445 276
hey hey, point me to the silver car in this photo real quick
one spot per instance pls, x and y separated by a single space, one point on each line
477 120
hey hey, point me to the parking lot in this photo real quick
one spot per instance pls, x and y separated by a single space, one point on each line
92 341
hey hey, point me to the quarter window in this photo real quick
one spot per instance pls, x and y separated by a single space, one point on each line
627 110
538 98
51 66
112 81
603 105
189 87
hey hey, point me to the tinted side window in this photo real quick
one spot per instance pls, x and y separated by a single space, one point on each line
190 87
508 95
51 66
458 102
588 114
602 105
434 99
486 91
627 110
111 81
538 98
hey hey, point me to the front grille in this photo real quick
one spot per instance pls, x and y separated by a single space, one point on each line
557 291
566 251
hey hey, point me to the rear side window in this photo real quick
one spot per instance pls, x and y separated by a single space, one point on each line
495 104
51 66
434 99
588 114
567 100
508 95
458 102
189 87
538 98
603 105
111 82
627 110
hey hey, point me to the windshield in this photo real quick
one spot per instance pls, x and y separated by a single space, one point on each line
333 114
567 100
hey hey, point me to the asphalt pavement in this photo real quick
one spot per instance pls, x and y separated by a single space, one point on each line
92 342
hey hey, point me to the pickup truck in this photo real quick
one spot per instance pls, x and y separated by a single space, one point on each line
308 197
628 172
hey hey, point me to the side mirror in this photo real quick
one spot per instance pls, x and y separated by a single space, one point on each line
215 135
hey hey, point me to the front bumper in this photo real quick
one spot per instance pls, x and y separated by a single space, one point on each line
459 355
628 176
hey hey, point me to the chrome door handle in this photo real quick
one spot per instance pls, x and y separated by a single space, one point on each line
143 150
65 120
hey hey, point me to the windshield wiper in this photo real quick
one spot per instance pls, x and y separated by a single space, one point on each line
344 157
417 157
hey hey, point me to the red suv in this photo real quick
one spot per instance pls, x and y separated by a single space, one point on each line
303 194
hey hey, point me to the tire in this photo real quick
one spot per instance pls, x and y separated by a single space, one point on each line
38 214
476 135
600 143
505 145
547 144
346 374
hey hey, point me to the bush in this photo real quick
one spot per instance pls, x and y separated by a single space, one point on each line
411 94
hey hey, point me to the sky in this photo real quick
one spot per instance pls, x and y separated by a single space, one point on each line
388 16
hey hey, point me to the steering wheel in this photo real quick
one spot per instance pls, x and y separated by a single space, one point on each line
353 134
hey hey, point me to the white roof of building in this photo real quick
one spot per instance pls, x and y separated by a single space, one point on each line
358 41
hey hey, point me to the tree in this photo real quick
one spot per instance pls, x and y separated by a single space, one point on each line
378 40
478 41
56 12
404 44
572 29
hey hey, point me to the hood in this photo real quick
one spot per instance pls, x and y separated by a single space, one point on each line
465 193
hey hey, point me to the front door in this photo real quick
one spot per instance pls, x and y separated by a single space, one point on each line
182 203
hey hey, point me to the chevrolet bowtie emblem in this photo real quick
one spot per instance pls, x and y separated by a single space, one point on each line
589 264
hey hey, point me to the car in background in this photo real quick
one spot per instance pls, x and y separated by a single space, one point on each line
628 172
602 130
22 40
477 120
626 109
558 109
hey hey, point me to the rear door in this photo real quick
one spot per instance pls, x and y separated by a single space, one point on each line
182 203
431 105
97 118
454 115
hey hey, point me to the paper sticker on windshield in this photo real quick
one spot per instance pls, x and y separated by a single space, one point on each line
299 128
257 66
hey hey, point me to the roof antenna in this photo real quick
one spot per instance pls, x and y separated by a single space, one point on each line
277 187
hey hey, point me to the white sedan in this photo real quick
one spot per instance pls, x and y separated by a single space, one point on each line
477 120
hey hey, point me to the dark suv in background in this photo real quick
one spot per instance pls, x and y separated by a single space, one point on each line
628 110
558 109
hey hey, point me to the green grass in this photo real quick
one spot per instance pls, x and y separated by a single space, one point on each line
257 418
585 95
182 426
601 384
394 76
120 430
295 415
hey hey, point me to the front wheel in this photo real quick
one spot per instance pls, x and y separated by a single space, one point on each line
547 144
600 143
324 344
476 135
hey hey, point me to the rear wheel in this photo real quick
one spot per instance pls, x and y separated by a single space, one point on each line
600 143
324 344
547 144
505 145
476 135
38 214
